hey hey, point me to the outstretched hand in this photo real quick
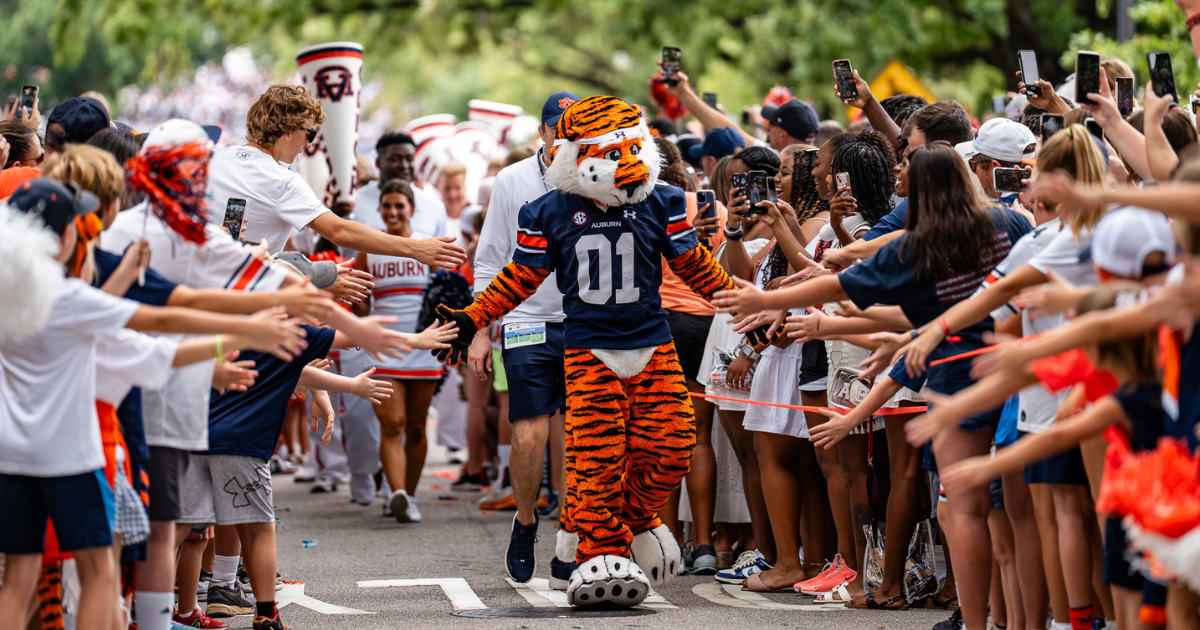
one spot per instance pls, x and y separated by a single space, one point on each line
456 354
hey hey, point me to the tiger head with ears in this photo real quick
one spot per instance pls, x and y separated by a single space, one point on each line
604 151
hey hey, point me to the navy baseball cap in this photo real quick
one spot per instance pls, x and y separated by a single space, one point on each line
796 117
81 117
718 143
685 142
58 203
553 109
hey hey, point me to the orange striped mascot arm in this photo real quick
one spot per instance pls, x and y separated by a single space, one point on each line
513 285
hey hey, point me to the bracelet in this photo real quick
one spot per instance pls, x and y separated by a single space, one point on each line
914 333
945 327
217 353
735 235
1192 22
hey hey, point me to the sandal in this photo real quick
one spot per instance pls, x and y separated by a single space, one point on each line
934 602
887 604
839 595
754 584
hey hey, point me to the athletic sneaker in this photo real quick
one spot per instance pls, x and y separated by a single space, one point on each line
560 573
202 586
362 489
468 482
749 563
305 473
551 504
955 622
243 579
269 623
834 575
414 515
198 620
704 561
455 455
501 501
397 506
281 466
323 485
226 600
519 559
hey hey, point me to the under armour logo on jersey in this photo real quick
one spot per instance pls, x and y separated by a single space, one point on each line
579 218
241 494
630 214
331 86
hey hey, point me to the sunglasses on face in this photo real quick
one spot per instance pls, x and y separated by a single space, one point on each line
35 161
312 134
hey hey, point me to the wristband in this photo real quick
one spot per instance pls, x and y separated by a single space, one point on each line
914 333
1192 22
949 336
734 235
217 353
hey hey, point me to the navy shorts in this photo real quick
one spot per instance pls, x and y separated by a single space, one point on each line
996 491
81 507
1062 468
1117 570
537 382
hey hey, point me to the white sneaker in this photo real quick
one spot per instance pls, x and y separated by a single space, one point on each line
414 515
401 506
305 473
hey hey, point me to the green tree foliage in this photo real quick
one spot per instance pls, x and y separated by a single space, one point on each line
436 54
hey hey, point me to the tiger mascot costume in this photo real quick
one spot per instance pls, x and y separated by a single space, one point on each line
630 427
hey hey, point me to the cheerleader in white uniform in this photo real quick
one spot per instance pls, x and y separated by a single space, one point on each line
400 285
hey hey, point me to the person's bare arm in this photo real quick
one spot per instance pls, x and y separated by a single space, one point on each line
828 434
299 298
709 117
268 331
860 249
748 300
947 411
873 110
966 313
818 325
1159 154
976 471
439 251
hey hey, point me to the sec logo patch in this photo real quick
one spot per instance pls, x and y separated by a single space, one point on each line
580 218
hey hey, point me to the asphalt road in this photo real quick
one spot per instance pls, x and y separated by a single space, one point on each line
369 572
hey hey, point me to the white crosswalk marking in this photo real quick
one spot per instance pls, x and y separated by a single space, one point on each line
733 595
461 595
294 594
538 593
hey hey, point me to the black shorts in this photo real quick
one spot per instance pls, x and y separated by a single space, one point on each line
1061 468
690 332
537 382
167 468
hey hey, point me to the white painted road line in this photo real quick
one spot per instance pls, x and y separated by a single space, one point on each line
733 595
294 594
538 593
461 596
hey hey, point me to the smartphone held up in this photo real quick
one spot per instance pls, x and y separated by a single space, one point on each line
671 57
1162 78
1027 60
1087 76
25 103
844 74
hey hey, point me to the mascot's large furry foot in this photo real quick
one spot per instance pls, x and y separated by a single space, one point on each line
608 579
657 553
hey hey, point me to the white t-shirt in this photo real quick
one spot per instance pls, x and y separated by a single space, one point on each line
1037 406
176 415
515 186
126 359
1070 259
278 200
48 423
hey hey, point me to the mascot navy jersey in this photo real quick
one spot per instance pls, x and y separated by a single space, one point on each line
609 262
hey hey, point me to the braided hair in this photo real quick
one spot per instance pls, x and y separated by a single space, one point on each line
869 163
805 198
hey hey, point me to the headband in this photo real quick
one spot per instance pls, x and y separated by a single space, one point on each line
612 136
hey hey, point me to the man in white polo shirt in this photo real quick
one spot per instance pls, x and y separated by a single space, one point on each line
536 378
278 201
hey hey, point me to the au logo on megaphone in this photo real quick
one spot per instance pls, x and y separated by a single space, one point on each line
334 82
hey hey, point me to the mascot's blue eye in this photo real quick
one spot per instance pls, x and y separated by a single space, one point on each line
614 155
635 149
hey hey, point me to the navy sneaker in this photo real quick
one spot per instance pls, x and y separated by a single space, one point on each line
560 573
551 504
704 561
520 561
749 563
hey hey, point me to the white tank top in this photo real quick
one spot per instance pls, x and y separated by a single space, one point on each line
400 285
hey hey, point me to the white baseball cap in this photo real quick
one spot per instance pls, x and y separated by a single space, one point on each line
175 132
1126 236
1000 139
